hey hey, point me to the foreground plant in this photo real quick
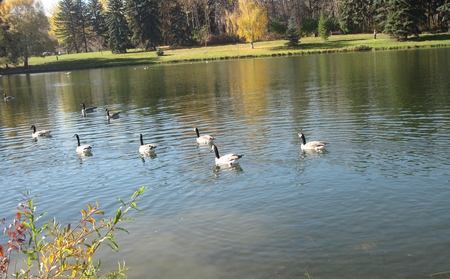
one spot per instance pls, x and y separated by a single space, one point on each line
65 251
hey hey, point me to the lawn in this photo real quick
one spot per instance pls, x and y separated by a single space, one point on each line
308 45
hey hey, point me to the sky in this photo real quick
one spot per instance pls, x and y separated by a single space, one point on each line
49 4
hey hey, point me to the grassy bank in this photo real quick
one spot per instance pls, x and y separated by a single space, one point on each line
308 45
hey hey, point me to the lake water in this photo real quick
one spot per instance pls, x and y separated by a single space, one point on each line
374 205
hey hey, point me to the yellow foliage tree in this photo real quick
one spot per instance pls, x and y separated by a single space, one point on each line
28 29
249 20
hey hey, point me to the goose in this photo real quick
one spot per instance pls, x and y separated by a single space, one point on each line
82 148
228 159
205 139
113 116
87 110
312 145
146 148
7 98
41 133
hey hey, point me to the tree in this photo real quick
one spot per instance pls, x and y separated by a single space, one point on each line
309 26
176 30
356 15
67 22
117 27
444 11
145 22
250 20
96 15
324 33
293 35
404 18
27 32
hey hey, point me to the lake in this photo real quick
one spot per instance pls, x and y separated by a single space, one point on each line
375 204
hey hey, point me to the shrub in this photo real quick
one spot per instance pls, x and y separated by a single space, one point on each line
64 251
159 52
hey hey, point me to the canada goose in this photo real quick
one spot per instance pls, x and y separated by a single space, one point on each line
82 148
312 145
87 110
205 139
113 116
146 148
228 159
7 98
42 133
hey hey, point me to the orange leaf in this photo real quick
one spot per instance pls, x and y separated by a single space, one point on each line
2 251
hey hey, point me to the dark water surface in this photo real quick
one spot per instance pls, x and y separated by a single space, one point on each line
374 205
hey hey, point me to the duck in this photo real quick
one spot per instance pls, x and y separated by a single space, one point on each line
113 116
205 139
41 133
82 148
146 149
312 145
7 98
87 110
229 159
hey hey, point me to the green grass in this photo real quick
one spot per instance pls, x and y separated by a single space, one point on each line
308 45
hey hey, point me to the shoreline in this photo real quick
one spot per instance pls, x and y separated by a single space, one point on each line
307 46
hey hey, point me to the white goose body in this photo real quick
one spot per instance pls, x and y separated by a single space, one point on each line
113 116
7 98
146 149
229 159
312 145
87 110
82 148
205 139
41 133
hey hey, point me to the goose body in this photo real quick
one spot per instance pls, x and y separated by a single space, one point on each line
87 110
146 149
229 159
113 116
82 148
205 139
312 145
41 133
7 98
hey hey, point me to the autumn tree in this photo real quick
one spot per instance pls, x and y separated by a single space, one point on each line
249 20
28 30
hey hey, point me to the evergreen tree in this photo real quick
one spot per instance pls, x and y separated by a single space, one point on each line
179 32
444 11
404 18
84 24
117 27
324 33
145 22
357 15
309 26
96 16
67 25
293 34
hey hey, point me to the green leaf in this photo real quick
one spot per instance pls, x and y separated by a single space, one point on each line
124 230
118 214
